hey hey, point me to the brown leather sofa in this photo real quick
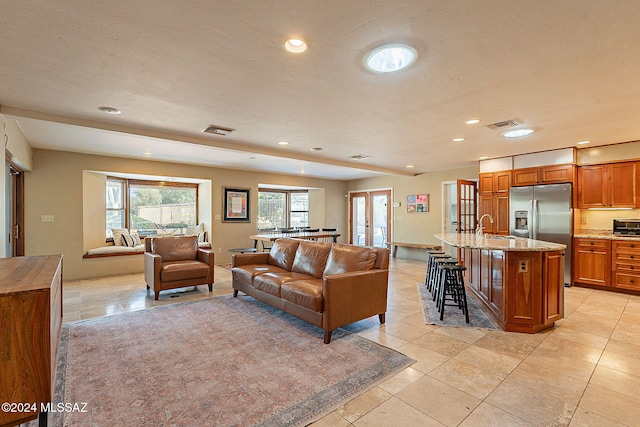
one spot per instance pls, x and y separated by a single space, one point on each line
176 262
328 285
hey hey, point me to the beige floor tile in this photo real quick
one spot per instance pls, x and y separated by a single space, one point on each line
586 323
401 380
620 362
383 338
583 418
509 343
498 364
564 348
404 331
468 335
611 405
566 365
362 404
486 415
438 400
418 321
627 332
585 338
467 378
331 420
395 412
441 344
547 381
618 381
624 348
534 406
426 360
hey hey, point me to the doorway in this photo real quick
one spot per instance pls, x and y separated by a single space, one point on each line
14 215
370 218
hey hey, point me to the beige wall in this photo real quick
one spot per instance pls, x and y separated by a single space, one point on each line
415 227
59 180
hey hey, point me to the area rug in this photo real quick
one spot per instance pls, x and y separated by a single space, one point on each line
218 362
453 316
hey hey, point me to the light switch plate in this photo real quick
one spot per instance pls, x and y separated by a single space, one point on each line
47 218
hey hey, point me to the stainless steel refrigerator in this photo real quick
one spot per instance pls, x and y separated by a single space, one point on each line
543 212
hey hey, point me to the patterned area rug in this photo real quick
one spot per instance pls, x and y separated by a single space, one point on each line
452 315
221 361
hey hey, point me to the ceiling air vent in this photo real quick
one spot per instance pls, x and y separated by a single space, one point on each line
359 157
217 130
505 124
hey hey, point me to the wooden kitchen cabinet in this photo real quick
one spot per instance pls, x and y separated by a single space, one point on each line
494 200
626 265
30 328
609 185
555 174
592 262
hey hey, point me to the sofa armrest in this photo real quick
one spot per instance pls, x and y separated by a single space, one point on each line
247 259
152 263
207 256
353 296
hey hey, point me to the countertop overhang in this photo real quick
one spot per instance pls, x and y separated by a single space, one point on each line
498 243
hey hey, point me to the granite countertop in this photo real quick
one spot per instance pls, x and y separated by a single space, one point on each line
597 233
500 243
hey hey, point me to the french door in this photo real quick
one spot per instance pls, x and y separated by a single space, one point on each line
14 214
467 205
370 218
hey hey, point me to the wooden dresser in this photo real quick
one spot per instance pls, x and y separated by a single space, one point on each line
30 326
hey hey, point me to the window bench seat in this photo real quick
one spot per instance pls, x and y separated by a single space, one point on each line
112 250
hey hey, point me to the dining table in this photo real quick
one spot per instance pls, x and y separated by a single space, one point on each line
302 234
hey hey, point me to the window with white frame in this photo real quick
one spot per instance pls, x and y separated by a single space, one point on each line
283 209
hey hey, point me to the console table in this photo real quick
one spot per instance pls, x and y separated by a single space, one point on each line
31 323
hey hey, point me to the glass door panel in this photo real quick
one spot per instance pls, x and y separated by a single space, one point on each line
370 213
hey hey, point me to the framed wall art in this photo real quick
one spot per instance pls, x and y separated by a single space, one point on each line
235 204
418 203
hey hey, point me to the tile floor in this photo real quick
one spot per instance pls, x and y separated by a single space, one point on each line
585 372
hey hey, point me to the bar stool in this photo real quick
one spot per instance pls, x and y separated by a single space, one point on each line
430 255
438 273
432 269
453 285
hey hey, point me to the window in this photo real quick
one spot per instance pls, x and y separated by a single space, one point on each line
151 207
283 209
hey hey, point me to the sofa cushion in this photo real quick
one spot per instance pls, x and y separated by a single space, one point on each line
305 293
346 258
311 258
283 252
246 273
271 282
183 270
175 248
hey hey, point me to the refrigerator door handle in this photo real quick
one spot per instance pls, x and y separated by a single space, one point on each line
535 219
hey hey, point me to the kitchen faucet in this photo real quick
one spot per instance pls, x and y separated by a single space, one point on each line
479 228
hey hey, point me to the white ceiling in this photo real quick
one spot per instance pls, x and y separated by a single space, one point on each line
569 69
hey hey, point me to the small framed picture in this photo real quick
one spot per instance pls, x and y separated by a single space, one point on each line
235 204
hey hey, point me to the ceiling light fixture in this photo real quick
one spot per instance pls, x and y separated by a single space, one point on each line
316 149
517 133
295 45
283 143
390 58
583 142
472 121
109 110
409 166
458 139
484 157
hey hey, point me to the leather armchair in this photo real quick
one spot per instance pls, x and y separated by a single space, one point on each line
176 262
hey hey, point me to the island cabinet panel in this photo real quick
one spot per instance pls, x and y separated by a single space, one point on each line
553 287
524 269
30 325
496 291
592 262
626 265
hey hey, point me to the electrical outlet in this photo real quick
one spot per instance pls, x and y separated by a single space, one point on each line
216 217
47 218
583 220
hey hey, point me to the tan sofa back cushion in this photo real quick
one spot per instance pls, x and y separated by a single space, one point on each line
346 258
283 253
175 248
311 258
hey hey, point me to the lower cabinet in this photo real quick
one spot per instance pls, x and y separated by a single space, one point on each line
592 262
626 265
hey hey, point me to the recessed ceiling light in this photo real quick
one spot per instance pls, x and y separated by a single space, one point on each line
316 149
295 45
583 142
283 143
517 133
109 110
457 139
484 157
472 121
390 58
147 153
410 166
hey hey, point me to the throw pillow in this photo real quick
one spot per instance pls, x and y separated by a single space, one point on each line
127 240
117 235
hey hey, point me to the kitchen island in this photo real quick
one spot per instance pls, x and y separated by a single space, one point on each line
518 282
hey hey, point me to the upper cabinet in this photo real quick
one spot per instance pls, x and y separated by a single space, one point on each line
494 200
555 174
608 186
